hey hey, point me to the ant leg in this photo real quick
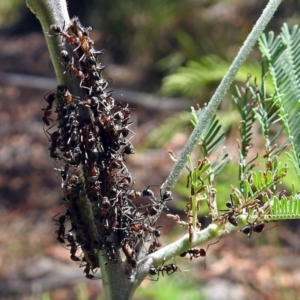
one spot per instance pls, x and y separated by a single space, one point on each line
208 248
47 133
85 87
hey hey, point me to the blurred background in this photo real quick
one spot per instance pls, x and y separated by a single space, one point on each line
164 56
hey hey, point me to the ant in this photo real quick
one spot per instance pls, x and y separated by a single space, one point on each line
93 173
194 252
82 34
130 254
253 228
69 38
153 246
54 136
136 195
87 271
65 56
88 60
147 193
63 173
74 71
166 196
169 269
105 206
62 219
61 93
53 153
50 98
73 245
151 230
152 210
230 212
61 233
45 117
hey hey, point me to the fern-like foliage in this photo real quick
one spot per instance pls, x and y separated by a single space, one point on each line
189 80
169 127
244 102
282 54
254 104
211 139
284 208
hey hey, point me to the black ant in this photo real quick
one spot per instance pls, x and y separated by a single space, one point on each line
166 196
169 269
61 233
152 210
194 252
147 193
53 153
50 98
65 56
61 93
45 117
54 143
253 228
132 194
54 136
73 245
62 219
87 271
230 213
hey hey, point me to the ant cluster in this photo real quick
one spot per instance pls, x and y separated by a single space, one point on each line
89 139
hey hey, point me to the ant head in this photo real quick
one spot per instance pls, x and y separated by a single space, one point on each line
166 196
247 229
153 271
65 56
147 193
55 28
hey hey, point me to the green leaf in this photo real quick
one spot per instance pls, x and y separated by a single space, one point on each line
282 54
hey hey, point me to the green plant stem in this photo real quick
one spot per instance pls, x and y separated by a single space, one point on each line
49 12
52 12
221 91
